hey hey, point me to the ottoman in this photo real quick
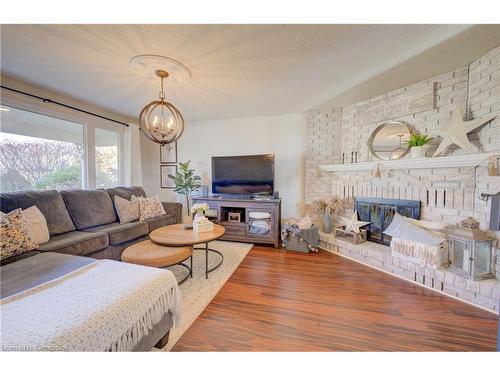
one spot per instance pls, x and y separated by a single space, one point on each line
148 253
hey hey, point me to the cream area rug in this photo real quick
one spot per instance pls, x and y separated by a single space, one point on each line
197 292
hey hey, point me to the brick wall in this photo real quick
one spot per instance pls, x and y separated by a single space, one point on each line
446 194
449 194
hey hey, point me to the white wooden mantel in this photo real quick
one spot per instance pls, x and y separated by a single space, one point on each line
454 161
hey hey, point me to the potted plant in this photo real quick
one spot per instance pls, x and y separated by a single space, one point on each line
418 144
186 182
328 209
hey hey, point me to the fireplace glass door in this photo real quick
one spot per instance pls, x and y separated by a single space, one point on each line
380 212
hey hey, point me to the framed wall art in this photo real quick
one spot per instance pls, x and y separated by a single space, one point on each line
168 153
165 181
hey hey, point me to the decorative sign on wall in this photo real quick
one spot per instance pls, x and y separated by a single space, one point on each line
392 106
168 153
165 181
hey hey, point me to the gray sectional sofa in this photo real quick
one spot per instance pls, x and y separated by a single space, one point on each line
85 223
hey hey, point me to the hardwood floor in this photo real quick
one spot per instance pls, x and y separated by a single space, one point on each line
286 301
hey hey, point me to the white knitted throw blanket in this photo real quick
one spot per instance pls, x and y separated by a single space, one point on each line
427 254
104 306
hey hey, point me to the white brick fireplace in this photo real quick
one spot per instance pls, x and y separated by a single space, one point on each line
446 194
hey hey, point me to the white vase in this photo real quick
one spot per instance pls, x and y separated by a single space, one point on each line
417 152
198 216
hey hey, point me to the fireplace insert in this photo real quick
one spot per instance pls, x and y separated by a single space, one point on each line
380 211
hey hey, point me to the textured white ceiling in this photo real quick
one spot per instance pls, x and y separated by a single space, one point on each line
237 70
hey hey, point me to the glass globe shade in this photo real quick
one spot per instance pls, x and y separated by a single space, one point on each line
161 122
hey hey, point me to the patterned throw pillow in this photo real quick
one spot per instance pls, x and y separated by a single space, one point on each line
150 208
127 210
14 235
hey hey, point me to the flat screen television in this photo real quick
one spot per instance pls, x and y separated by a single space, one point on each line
243 175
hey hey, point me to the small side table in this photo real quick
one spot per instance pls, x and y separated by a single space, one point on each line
177 235
147 253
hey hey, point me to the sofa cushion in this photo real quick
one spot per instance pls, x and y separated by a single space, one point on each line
15 258
126 192
160 221
89 208
76 243
174 209
49 202
119 233
111 252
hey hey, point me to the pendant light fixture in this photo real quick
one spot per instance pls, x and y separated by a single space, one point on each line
160 121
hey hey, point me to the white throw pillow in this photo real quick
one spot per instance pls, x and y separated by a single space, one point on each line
127 210
37 225
430 225
402 228
150 208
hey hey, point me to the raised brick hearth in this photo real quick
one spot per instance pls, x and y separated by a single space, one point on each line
446 194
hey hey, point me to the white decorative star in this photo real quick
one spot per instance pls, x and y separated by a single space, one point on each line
355 224
456 132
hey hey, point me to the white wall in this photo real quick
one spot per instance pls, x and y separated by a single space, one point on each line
452 54
281 135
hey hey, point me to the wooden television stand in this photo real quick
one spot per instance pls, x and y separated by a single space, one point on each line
243 230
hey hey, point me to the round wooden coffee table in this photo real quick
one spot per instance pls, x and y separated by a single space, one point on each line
177 235
148 253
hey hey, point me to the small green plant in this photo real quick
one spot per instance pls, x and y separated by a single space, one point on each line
417 140
186 182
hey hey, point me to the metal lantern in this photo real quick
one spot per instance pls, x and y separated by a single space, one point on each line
470 251
160 121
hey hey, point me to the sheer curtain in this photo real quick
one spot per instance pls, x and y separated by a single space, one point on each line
132 156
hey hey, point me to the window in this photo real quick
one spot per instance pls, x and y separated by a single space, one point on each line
39 151
106 158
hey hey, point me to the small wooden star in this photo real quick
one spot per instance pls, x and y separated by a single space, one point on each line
355 224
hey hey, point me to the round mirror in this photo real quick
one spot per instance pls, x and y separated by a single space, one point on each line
389 140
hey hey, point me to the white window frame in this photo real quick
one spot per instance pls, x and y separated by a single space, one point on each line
89 124
90 128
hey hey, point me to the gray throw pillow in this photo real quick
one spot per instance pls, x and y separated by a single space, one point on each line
127 210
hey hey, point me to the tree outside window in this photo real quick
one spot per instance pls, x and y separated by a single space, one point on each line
28 163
